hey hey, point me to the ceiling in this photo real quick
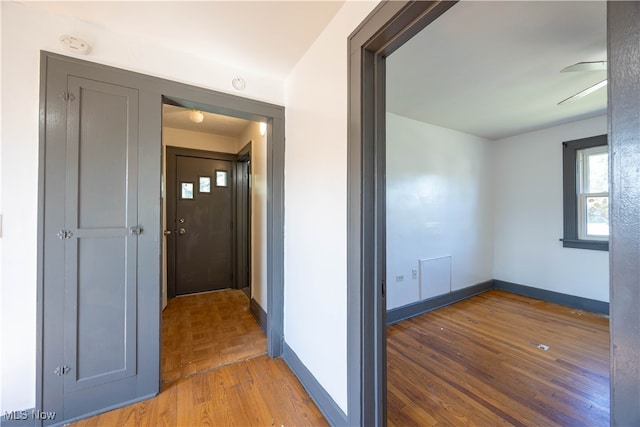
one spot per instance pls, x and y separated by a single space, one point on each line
178 117
492 69
268 37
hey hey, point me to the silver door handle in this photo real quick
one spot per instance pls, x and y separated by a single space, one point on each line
182 231
166 232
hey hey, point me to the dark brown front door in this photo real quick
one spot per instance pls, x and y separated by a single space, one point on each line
203 226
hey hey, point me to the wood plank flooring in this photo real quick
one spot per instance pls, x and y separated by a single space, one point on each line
483 362
215 372
256 392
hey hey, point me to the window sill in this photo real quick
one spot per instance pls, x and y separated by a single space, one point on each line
596 245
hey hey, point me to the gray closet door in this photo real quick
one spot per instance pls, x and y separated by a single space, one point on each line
91 240
100 246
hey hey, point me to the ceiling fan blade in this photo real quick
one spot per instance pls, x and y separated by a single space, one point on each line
585 92
586 66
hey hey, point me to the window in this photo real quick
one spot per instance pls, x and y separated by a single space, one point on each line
205 184
186 190
586 193
221 178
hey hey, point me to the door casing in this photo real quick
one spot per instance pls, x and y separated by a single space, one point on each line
153 93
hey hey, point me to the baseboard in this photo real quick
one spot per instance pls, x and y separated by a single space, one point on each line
22 418
586 304
259 314
398 314
331 411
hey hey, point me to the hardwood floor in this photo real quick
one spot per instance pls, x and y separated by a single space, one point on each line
206 331
483 362
215 372
494 359
257 392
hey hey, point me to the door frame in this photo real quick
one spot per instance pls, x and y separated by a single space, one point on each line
387 28
170 187
154 91
244 192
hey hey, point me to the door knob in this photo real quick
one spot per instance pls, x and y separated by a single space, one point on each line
166 232
182 231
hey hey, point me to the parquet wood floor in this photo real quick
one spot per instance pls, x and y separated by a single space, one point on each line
478 362
205 331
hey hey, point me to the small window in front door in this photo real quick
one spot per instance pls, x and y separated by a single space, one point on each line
221 179
186 190
205 184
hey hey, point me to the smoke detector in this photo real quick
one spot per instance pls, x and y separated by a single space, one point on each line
239 83
75 45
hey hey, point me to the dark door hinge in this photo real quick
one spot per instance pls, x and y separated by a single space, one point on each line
383 288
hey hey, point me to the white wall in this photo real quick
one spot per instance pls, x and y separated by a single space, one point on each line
316 204
528 215
19 167
258 211
439 203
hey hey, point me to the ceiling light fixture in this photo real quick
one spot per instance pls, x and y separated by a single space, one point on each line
196 116
585 92
263 128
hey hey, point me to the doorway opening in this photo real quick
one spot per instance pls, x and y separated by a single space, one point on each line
212 306
456 217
